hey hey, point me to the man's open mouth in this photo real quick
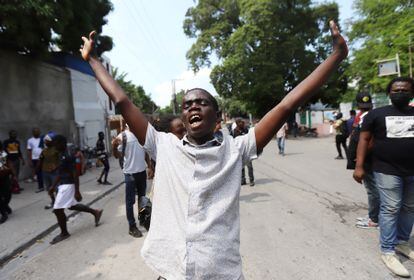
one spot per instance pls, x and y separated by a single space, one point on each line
195 120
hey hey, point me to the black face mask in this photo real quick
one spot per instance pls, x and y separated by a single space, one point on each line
400 99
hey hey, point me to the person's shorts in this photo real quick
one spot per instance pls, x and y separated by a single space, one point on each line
65 197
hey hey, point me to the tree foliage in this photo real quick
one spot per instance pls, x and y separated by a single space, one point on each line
33 26
381 31
264 48
135 93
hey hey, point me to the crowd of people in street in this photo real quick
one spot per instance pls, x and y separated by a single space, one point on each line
44 160
197 171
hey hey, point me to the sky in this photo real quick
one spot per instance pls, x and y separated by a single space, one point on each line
150 45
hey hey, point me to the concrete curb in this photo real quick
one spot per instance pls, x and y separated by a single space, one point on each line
8 257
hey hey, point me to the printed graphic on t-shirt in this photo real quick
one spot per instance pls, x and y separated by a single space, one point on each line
13 148
400 126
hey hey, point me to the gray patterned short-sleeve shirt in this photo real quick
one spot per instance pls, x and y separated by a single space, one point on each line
195 223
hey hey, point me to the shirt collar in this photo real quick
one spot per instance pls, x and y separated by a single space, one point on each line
216 141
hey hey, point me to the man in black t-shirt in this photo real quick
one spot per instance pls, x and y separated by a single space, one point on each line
392 130
14 154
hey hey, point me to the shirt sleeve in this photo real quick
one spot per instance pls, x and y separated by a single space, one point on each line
151 141
29 145
368 122
247 146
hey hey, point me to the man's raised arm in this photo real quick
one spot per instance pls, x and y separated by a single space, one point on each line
275 118
133 116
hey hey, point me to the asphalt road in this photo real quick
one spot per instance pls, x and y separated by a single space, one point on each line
298 222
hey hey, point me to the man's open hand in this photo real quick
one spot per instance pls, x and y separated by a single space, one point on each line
339 44
88 46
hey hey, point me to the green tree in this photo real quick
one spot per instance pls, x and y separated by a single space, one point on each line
381 31
33 26
264 48
136 94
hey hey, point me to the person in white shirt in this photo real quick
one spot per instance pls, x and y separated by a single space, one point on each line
34 149
281 138
126 147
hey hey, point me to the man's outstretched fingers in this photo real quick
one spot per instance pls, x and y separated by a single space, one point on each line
92 35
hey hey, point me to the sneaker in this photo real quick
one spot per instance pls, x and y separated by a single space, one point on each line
135 232
39 190
339 157
99 181
404 249
243 183
366 224
394 265
252 184
366 218
107 183
30 180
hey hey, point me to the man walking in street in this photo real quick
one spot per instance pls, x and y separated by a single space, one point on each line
34 149
102 155
14 157
126 147
341 135
281 138
238 131
364 102
391 128
48 163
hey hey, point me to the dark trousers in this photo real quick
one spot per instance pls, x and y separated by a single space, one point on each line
39 174
250 172
135 184
5 195
341 140
16 166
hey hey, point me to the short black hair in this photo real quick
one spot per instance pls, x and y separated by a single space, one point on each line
60 139
400 79
209 95
352 112
164 124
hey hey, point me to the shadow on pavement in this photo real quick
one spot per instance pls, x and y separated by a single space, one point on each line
250 198
266 181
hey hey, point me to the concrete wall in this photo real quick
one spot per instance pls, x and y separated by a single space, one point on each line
34 94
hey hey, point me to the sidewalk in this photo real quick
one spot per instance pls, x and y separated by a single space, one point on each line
29 218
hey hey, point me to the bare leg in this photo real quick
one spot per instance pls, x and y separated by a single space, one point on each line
61 218
83 208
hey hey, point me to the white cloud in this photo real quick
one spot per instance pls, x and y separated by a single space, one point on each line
162 92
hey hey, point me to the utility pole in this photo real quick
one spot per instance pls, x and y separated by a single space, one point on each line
174 96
